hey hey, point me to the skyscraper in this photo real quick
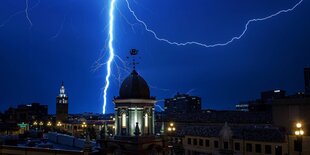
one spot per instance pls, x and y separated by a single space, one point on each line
307 80
61 105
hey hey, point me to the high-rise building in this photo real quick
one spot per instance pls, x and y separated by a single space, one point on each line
62 105
182 103
27 113
262 104
269 96
307 80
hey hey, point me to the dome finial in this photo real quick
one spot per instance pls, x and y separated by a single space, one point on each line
133 52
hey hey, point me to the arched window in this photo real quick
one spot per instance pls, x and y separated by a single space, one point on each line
146 120
124 120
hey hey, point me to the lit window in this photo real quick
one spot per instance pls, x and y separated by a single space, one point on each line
124 120
146 121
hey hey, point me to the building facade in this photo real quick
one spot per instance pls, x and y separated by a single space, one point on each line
287 111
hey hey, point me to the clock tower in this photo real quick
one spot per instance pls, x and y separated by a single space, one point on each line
62 105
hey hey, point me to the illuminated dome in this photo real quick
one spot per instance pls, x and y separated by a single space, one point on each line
134 87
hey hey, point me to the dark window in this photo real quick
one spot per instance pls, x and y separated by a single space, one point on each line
225 145
189 141
207 143
237 146
200 142
248 147
258 148
216 144
267 149
195 141
278 150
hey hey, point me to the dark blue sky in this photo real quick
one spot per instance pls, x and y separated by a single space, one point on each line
68 36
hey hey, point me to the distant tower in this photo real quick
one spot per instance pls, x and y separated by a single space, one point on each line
134 107
307 80
61 105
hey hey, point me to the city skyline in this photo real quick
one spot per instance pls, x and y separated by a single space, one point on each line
35 59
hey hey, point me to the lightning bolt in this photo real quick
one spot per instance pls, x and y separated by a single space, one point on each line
162 109
26 12
111 55
146 27
156 36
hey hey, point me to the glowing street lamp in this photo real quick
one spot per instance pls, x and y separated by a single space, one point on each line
59 124
84 125
35 123
171 127
298 125
49 124
299 132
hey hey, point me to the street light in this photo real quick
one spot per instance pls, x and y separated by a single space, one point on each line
49 124
41 124
35 123
299 132
298 125
171 129
59 124
84 125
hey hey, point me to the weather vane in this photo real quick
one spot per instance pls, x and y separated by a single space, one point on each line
133 53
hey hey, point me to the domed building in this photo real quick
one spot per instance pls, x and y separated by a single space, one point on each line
134 120
134 107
